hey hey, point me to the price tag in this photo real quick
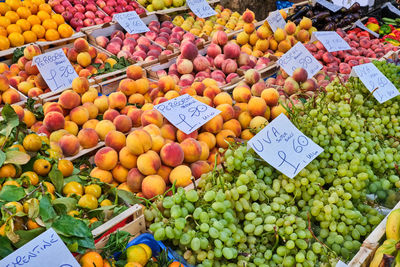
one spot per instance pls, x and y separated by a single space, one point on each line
201 8
46 249
332 7
131 22
375 81
284 147
392 8
275 20
299 57
331 40
360 25
186 113
341 264
344 3
56 69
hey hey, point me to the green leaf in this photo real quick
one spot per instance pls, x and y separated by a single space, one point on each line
65 203
5 247
33 208
12 193
37 111
128 197
17 157
46 210
2 157
18 52
11 118
99 211
28 235
56 178
69 226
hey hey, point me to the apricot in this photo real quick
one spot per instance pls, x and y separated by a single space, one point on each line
115 139
54 121
172 154
127 159
69 144
134 180
103 175
106 158
153 185
139 142
88 138
103 128
191 149
181 176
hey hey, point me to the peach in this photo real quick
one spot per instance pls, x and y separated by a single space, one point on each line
135 115
241 94
258 88
246 134
3 67
207 138
90 124
134 72
71 127
79 115
35 127
110 114
115 139
88 138
191 149
136 99
229 66
305 23
279 35
232 50
166 83
106 158
123 123
29 118
89 96
244 119
252 76
205 151
101 102
257 106
248 16
222 98
31 51
56 135
139 142
54 121
189 50
142 85
69 99
117 100
34 92
19 111
270 96
81 45
103 128
152 117
303 36
214 125
69 144
172 154
152 129
120 173
184 66
52 106
181 176
258 123
153 185
103 175
199 168
164 172
180 136
234 126
158 143
284 46
30 69
11 96
291 86
127 86
213 50
149 162
290 28
134 180
227 111
92 110
300 75
168 131
278 110
72 54
224 137
80 85
220 38
84 59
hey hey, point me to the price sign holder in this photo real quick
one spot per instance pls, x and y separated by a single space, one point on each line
55 69
360 25
299 57
186 113
284 147
131 22
47 249
201 8
331 40
375 81
275 20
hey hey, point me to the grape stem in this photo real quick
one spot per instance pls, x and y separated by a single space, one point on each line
312 233
276 239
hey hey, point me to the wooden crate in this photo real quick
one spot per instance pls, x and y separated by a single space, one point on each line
371 244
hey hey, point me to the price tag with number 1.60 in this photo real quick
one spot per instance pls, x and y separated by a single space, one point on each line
201 8
131 22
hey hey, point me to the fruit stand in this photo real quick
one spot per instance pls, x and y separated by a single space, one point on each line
184 133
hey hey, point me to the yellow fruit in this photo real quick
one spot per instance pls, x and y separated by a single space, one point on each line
13 28
388 247
58 19
38 2
3 32
31 6
29 36
66 167
4 21
147 249
32 224
393 225
12 16
65 30
4 8
52 35
18 206
23 12
4 43
16 39
91 259
41 167
24 24
11 182
73 188
33 177
93 189
45 7
14 4
50 187
32 142
88 201
7 170
39 30
42 15
137 254
34 20
49 24
73 213
106 202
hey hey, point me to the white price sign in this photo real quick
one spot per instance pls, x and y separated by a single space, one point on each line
131 22
392 8
46 249
201 8
275 20
284 147
341 264
332 7
299 57
360 25
331 40
55 69
186 113
375 81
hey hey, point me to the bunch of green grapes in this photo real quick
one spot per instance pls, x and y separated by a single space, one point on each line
390 70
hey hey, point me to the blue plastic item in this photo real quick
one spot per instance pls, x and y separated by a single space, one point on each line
283 4
156 248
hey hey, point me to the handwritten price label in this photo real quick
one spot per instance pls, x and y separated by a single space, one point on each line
131 22
331 40
392 8
328 5
284 147
375 81
275 20
46 249
201 8
299 57
187 113
360 25
56 69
